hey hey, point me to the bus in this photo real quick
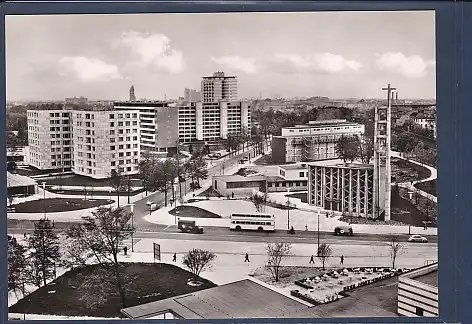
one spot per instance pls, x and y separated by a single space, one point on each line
257 222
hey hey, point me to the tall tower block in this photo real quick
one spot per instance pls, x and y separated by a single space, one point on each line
382 168
132 96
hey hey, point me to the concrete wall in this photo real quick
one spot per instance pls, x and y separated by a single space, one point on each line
279 150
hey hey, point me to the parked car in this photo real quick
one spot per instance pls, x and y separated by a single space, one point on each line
343 230
186 226
149 202
417 238
153 207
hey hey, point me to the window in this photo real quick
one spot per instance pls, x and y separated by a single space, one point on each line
112 116
112 124
112 132
419 311
302 174
120 115
112 163
112 148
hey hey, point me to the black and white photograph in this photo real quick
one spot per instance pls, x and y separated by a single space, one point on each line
203 166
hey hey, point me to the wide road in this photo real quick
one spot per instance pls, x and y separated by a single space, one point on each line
224 234
141 209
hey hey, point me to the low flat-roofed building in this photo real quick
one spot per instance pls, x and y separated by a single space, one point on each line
18 185
240 299
418 292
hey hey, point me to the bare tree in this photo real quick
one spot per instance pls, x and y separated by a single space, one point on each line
324 253
101 237
395 248
276 254
258 202
198 260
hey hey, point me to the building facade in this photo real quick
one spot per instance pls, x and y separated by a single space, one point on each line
418 292
345 188
312 142
219 87
191 95
426 121
159 120
105 141
50 139
211 122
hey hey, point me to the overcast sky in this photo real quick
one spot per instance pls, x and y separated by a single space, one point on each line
335 54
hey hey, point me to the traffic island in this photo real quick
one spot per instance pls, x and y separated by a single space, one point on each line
54 205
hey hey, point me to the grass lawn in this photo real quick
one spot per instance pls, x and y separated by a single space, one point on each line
192 211
55 205
151 282
405 171
428 186
77 180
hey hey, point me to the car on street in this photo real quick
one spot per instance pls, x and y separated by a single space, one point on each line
153 207
343 230
417 238
186 226
149 202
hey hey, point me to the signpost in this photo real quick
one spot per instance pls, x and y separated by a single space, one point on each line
157 252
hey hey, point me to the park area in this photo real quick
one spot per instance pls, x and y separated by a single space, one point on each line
405 171
145 282
54 205
192 211
428 186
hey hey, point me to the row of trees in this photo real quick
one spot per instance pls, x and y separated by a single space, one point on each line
163 175
350 148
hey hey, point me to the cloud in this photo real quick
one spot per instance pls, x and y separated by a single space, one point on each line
88 69
318 62
409 66
153 50
239 63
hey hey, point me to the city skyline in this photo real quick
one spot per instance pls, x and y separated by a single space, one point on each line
161 57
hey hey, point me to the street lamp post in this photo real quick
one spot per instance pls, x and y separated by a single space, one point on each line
288 209
129 187
131 206
109 191
44 199
318 234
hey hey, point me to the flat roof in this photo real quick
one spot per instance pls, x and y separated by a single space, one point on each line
429 278
338 163
16 180
240 299
317 125
294 166
237 178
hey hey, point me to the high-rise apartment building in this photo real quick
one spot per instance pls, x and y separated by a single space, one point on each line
132 96
104 141
50 139
192 95
159 131
88 142
213 121
219 87
314 141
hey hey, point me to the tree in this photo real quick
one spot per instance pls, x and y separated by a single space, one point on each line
145 167
44 249
198 260
117 183
276 254
395 248
101 237
324 253
190 149
16 265
366 148
258 202
196 167
347 148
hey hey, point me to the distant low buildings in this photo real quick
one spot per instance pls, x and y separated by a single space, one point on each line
426 121
313 141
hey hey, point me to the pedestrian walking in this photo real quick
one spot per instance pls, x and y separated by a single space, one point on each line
24 235
312 259
232 195
246 258
125 250
174 258
342 259
53 223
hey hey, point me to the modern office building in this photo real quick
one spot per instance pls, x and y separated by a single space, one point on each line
159 120
104 141
50 139
219 87
312 142
212 121
342 187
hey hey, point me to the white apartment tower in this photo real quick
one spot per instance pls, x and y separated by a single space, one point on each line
50 139
104 141
219 87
